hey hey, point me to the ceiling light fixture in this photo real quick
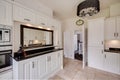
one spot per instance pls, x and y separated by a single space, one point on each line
48 29
28 25
88 8
40 27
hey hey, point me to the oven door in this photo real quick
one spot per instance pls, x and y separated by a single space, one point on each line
5 60
1 35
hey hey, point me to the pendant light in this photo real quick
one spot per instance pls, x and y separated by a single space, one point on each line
88 8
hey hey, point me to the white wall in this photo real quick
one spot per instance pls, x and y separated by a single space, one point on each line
69 27
115 10
16 36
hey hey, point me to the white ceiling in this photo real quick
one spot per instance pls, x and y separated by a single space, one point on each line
67 8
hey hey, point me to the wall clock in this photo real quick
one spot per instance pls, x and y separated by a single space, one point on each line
79 22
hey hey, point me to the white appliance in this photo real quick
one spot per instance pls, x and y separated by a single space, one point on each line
5 58
5 35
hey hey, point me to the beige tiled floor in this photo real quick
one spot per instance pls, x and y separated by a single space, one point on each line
73 71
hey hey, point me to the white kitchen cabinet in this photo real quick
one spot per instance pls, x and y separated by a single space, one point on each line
96 32
95 57
41 20
118 28
112 28
57 33
5 13
42 71
25 70
52 62
60 60
23 15
112 62
40 67
95 43
33 69
7 75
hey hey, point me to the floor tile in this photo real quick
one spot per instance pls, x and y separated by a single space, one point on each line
73 71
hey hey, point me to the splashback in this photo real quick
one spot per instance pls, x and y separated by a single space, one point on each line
112 44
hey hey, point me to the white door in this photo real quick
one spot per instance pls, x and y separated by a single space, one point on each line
68 44
110 28
5 13
118 27
112 62
84 45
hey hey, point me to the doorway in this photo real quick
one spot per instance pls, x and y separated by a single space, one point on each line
78 43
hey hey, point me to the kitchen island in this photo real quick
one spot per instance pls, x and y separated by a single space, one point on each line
39 65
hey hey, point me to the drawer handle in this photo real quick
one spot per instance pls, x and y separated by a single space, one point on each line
27 19
114 34
117 34
102 51
102 42
48 58
58 54
43 23
105 55
33 65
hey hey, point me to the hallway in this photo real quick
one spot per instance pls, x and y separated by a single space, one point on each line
73 71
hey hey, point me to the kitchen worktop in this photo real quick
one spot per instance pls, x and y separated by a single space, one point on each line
36 52
112 51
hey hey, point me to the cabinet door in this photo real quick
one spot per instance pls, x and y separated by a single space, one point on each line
110 28
96 32
56 25
54 63
5 13
118 27
26 71
112 62
42 71
33 70
41 20
60 59
23 15
30 70
95 57
28 16
48 63
6 75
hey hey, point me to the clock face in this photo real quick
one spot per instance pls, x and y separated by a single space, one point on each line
79 22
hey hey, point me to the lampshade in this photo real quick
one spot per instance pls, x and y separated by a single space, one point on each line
88 8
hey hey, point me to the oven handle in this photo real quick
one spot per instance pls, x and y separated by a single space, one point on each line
5 52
